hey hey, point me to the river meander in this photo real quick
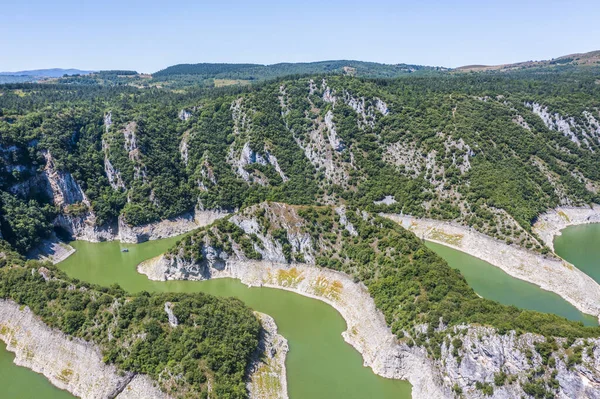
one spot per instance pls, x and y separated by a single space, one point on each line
320 364
493 283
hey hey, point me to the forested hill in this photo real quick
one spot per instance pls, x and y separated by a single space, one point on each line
261 72
491 151
584 59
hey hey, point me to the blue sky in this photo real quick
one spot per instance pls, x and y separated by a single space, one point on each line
150 35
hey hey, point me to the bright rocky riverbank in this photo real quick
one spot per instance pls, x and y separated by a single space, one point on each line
267 373
550 273
76 366
484 353
550 224
69 363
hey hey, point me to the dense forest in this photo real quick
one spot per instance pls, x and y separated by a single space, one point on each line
255 72
488 150
210 346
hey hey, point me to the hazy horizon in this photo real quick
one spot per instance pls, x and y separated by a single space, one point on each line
147 36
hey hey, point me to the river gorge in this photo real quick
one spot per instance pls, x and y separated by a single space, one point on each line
319 364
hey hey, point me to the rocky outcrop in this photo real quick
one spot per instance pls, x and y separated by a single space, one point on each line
549 224
76 365
336 143
387 200
556 121
84 228
365 108
114 176
267 374
69 363
61 186
475 353
51 249
248 157
586 128
549 273
184 147
173 322
184 115
132 148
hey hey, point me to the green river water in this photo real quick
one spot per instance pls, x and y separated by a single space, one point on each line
493 283
320 364
580 245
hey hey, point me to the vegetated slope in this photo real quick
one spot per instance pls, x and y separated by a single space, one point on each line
489 151
206 344
261 72
425 302
587 59
409 283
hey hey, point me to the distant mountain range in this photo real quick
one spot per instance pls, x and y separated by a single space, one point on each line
47 73
38 74
259 72
232 73
591 58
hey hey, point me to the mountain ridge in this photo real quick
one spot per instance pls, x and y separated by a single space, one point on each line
589 58
48 73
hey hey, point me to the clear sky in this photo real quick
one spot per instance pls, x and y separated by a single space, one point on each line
149 35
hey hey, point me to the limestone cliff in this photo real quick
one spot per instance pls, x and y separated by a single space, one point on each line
71 364
267 376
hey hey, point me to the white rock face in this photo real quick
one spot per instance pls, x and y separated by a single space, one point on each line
344 221
587 132
249 157
107 121
82 228
550 224
549 273
184 115
173 322
364 108
555 122
131 146
593 125
241 122
71 364
381 106
63 189
335 142
484 352
183 147
387 200
267 370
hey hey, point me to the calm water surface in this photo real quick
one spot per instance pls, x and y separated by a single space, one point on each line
580 245
21 383
493 283
319 365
